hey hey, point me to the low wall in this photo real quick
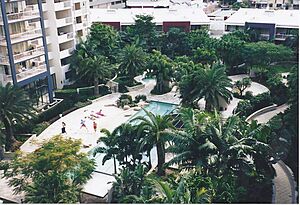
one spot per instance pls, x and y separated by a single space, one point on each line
135 88
261 111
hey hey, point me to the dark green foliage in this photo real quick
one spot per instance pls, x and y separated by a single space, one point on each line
140 97
123 100
247 107
39 128
15 108
208 83
175 43
54 173
161 67
132 62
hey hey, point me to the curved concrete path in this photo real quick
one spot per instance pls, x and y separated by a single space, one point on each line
265 117
284 185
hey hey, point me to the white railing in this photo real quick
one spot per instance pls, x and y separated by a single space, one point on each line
23 35
23 55
31 72
30 53
21 15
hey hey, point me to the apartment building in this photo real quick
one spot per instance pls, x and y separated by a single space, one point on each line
24 57
114 4
269 24
66 21
185 18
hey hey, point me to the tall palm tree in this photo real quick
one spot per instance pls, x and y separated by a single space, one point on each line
132 61
15 107
91 66
155 125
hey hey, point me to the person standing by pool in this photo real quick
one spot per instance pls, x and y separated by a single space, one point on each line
95 126
83 124
63 128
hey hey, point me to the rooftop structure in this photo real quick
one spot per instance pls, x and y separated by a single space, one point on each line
186 19
271 24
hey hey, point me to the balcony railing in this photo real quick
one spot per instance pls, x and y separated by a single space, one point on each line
26 73
281 36
22 36
31 72
21 15
264 37
23 56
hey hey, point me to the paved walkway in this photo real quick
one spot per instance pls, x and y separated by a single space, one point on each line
284 185
264 118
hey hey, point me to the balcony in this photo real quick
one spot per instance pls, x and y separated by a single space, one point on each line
264 37
21 16
62 5
66 53
282 36
24 74
21 37
64 21
24 56
63 37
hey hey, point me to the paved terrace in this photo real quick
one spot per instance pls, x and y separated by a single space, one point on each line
113 117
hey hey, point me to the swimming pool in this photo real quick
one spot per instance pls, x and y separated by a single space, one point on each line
157 108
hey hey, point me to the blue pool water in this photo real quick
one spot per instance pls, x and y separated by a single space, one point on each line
157 108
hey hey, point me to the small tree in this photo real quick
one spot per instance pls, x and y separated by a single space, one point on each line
242 85
53 173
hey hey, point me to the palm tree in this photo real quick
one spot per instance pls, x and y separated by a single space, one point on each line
15 107
190 143
133 60
155 125
110 149
210 83
91 66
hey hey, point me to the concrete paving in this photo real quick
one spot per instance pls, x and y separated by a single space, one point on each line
264 118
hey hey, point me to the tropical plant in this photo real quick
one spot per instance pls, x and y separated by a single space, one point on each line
175 43
242 85
204 56
89 66
184 188
210 83
122 145
131 186
160 66
15 108
103 39
132 61
54 173
155 126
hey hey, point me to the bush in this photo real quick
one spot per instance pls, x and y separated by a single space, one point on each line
39 128
123 100
247 107
139 97
66 94
248 95
82 104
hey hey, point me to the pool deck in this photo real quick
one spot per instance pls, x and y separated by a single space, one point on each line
113 117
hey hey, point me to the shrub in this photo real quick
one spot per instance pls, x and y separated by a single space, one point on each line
39 128
243 108
123 100
66 94
82 104
139 97
247 107
248 95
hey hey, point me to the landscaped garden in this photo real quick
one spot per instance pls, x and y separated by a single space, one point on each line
161 152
